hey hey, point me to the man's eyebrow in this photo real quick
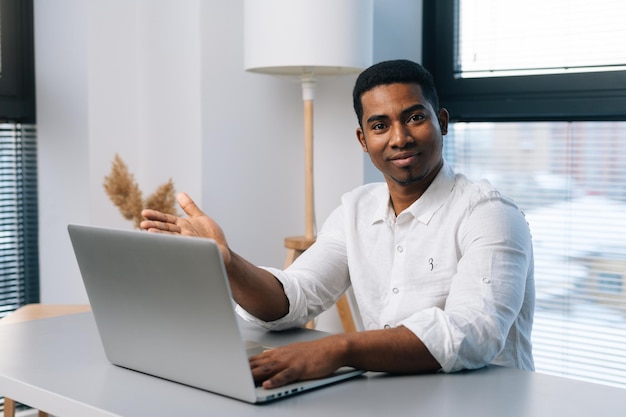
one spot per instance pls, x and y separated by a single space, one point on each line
376 118
413 108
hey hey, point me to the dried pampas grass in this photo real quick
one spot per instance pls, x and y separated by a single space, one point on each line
124 192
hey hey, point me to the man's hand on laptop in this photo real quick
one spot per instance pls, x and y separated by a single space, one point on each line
299 361
395 350
196 224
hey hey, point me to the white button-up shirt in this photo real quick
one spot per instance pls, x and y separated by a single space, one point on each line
456 268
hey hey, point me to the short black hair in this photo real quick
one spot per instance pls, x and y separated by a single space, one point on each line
392 72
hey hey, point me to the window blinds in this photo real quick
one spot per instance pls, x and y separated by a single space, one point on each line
569 178
501 38
19 258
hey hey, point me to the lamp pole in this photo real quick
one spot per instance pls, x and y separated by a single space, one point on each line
297 244
308 96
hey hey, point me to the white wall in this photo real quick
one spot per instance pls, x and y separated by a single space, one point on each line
161 82
111 77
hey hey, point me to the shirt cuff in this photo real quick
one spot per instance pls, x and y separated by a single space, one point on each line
432 328
292 319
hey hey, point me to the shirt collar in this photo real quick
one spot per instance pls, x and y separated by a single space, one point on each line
382 211
425 207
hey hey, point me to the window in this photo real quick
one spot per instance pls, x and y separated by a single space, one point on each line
478 48
548 129
19 254
535 37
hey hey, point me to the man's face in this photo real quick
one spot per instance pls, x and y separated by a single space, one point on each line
403 134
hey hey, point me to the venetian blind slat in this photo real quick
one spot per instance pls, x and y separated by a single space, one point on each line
19 258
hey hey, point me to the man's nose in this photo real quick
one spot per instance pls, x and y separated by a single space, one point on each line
400 136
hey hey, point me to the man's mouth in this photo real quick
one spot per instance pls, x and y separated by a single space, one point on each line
403 160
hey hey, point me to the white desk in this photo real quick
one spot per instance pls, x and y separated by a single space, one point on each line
58 365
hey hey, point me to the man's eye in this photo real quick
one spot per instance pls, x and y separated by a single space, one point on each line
378 126
416 117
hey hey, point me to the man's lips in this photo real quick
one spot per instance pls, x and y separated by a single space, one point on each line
403 159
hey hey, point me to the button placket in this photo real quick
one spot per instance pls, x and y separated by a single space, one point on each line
398 270
389 314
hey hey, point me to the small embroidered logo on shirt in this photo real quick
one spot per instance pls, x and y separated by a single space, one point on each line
430 262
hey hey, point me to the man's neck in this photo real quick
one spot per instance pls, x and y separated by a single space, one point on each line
403 195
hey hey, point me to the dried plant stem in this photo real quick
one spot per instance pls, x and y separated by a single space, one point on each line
124 192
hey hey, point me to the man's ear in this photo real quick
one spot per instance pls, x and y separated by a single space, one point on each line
361 137
443 117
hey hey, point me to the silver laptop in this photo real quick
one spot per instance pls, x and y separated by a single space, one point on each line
163 306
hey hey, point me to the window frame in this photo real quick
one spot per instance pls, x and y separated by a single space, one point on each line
594 96
17 83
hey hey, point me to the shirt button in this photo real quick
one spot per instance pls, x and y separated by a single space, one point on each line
395 290
486 280
400 248
386 326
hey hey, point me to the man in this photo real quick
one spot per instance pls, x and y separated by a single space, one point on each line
442 268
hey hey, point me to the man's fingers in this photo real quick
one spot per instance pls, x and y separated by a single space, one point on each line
282 378
272 372
188 205
158 216
160 226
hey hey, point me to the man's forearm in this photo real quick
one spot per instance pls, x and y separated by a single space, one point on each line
256 290
395 350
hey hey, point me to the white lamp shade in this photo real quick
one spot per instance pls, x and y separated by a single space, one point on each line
295 37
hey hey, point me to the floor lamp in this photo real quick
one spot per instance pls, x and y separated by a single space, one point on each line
307 39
